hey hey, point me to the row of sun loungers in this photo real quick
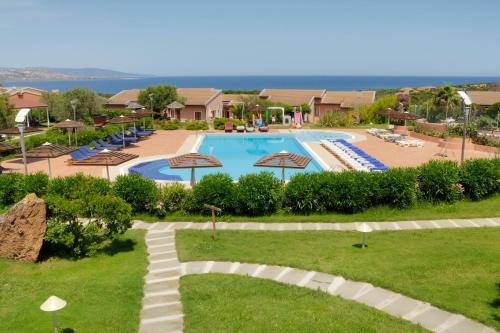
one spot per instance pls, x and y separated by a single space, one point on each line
353 157
228 128
401 140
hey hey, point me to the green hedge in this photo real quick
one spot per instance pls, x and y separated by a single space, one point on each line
196 125
258 194
439 181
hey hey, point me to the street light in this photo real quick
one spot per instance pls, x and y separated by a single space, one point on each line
53 304
466 104
73 103
21 127
363 229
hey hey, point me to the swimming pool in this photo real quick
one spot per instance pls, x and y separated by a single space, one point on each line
238 152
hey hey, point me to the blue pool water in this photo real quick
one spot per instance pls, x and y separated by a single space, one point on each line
238 153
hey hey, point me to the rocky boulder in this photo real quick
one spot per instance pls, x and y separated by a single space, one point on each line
22 229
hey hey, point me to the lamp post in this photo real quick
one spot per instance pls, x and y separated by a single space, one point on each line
53 304
21 127
364 229
73 106
466 105
153 112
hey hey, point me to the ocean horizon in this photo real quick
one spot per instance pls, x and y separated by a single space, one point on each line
329 82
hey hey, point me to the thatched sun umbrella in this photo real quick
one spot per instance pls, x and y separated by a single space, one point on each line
70 124
20 130
122 120
3 149
175 106
284 161
193 161
49 151
15 130
134 106
106 158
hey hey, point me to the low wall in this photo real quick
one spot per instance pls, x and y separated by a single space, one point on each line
454 143
432 126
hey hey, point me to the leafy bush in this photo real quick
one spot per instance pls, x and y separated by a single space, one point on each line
301 194
78 186
258 194
215 189
369 113
350 191
141 193
397 187
196 125
439 181
33 183
480 177
219 123
337 119
9 184
169 125
174 196
67 236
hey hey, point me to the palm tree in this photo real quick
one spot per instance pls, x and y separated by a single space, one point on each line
446 96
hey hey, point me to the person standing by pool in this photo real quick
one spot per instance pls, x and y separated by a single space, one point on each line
273 119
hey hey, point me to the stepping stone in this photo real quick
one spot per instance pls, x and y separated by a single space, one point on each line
160 249
376 296
141 225
194 267
161 286
294 276
252 226
162 326
329 226
234 226
432 318
468 326
425 224
221 267
246 269
444 224
151 300
270 272
163 275
350 289
163 265
401 306
320 281
161 311
162 241
158 226
406 226
163 256
272 226
463 223
151 236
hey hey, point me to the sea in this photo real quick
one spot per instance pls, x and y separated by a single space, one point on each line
257 82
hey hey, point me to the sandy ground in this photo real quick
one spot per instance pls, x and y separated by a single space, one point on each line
168 142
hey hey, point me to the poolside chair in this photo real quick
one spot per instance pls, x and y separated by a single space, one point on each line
109 145
240 129
264 128
139 132
228 127
127 137
99 146
249 128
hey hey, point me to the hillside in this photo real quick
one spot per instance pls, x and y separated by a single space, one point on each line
46 74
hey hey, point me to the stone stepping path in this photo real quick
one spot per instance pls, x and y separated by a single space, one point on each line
162 307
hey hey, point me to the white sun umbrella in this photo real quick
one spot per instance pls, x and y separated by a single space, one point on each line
53 304
363 228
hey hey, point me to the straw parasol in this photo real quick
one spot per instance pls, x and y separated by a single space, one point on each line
70 124
106 158
20 130
193 161
15 130
5 148
283 160
48 151
134 106
122 120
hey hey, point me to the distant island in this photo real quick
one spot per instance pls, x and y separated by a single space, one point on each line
59 74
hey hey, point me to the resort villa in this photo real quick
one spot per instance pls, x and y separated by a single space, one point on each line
24 97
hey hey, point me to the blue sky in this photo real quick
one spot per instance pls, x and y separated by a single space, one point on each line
218 37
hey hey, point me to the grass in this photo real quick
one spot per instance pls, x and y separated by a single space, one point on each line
454 269
4 209
104 292
221 303
463 209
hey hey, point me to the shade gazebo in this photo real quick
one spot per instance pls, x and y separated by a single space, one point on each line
49 151
283 161
70 124
20 130
176 106
134 106
3 149
122 120
193 161
106 158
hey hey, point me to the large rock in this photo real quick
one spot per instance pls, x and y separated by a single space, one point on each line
22 229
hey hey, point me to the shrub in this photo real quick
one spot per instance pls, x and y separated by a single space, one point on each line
438 181
480 177
139 192
174 196
9 184
215 189
196 125
78 186
67 236
397 187
301 193
169 125
350 191
33 183
258 194
337 119
189 204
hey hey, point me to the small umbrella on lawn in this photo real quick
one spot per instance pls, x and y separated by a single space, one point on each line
122 120
48 151
70 124
106 158
283 161
193 161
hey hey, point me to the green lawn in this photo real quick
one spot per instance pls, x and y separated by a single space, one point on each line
104 293
455 269
222 303
464 209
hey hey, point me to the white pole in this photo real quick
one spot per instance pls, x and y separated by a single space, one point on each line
48 120
23 147
54 321
50 168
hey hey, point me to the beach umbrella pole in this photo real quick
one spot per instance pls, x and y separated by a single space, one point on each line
135 131
193 178
76 137
50 168
107 172
283 175
69 137
123 136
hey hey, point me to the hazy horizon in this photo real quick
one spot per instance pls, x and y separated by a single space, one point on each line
261 38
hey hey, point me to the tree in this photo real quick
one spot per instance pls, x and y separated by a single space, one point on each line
446 96
163 95
56 106
493 110
60 104
369 113
6 115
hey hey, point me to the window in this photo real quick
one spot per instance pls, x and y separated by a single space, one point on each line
197 115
